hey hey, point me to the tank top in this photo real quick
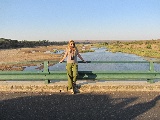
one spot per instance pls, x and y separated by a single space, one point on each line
72 55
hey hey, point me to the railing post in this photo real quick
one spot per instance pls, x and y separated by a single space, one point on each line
151 69
46 70
151 66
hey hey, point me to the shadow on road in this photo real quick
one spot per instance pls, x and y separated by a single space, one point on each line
73 107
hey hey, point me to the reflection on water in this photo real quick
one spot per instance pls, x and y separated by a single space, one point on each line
102 55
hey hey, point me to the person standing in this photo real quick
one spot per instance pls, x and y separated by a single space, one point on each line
72 64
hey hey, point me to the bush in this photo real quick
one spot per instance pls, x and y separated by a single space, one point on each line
149 46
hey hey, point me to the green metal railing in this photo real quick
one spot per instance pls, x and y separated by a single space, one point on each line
47 75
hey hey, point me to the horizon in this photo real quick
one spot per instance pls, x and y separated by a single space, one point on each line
80 20
79 40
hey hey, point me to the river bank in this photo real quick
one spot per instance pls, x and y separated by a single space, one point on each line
16 59
26 56
143 48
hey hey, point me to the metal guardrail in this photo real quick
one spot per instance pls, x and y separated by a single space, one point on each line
47 75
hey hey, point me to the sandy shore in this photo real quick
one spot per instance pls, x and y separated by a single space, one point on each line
22 56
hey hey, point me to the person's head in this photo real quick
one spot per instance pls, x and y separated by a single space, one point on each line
71 44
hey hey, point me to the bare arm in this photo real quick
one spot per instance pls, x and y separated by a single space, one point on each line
81 57
65 55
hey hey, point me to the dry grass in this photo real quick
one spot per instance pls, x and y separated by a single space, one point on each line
22 56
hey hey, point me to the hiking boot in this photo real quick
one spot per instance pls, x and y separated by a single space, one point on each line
76 90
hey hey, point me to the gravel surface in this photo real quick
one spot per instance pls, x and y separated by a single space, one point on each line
86 106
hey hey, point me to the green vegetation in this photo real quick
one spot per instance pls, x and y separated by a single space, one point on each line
99 45
145 48
8 43
149 46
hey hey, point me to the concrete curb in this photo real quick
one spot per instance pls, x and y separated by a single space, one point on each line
85 86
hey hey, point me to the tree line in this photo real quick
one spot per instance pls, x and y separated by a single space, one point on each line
11 44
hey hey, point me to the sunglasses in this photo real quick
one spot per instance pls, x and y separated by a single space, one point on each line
72 44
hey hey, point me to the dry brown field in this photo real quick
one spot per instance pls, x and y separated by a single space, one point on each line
27 56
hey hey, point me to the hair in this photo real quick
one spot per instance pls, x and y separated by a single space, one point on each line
71 41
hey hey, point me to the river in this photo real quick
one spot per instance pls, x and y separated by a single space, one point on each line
101 54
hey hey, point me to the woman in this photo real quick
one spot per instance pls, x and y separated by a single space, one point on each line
72 64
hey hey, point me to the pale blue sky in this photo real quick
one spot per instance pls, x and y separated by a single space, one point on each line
80 19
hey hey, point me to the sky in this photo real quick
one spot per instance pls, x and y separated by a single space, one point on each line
63 20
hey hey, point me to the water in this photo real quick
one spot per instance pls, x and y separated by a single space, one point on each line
56 52
102 55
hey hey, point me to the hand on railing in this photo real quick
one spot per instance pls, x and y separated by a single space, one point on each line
78 61
60 61
84 61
